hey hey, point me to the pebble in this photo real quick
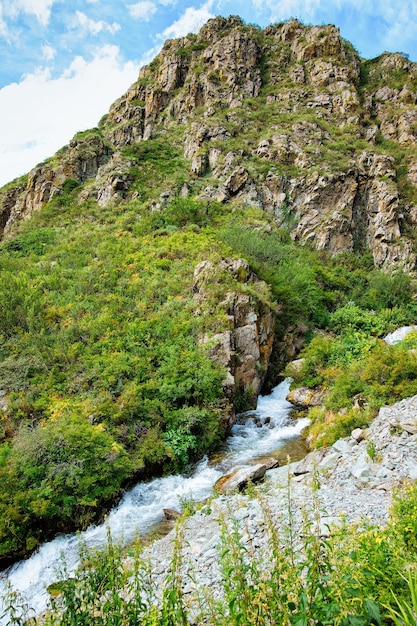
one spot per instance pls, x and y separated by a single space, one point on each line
349 484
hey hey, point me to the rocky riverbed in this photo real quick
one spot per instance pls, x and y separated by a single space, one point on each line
353 480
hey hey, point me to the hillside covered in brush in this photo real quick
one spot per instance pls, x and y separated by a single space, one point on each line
252 193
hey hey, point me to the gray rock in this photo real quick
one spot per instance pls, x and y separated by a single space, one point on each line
329 462
342 446
398 335
310 462
357 434
305 397
361 469
239 478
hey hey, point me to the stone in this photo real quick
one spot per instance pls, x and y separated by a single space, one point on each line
270 463
399 334
296 365
171 514
342 446
280 475
410 427
358 434
239 478
310 462
361 468
329 462
410 469
305 397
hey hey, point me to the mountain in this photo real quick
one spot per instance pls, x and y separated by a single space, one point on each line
160 270
288 119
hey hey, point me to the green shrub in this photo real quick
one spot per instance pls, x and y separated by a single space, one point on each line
34 242
341 579
404 517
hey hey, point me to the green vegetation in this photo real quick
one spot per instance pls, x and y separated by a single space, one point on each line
99 348
101 366
99 342
357 371
342 578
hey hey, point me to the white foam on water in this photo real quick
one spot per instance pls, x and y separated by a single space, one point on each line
263 431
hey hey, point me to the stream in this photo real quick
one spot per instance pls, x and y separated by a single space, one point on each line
267 431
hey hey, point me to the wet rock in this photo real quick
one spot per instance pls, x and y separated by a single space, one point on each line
305 397
239 478
171 514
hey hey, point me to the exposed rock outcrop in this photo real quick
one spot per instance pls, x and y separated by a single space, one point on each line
289 120
244 347
77 162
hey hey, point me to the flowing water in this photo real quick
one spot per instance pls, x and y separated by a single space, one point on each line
267 431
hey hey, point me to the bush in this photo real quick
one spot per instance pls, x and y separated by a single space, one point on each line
34 242
57 474
341 579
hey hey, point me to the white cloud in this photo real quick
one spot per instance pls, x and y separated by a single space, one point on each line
41 9
58 108
142 10
48 52
4 31
304 9
190 22
93 27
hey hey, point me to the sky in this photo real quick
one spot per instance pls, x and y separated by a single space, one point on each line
63 62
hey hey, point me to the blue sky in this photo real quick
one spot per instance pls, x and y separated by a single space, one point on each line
63 62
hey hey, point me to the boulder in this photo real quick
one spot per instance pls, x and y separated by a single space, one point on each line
171 514
358 434
343 446
398 335
305 397
361 469
239 478
310 462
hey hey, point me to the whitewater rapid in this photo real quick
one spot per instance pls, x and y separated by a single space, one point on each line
258 433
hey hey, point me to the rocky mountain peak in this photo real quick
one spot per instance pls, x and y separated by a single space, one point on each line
287 119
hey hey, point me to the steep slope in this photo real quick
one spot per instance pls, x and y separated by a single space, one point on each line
288 119
162 268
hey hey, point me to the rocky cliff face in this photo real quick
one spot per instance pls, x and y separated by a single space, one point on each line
245 347
77 162
288 119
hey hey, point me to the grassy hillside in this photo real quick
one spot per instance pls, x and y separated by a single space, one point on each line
103 378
